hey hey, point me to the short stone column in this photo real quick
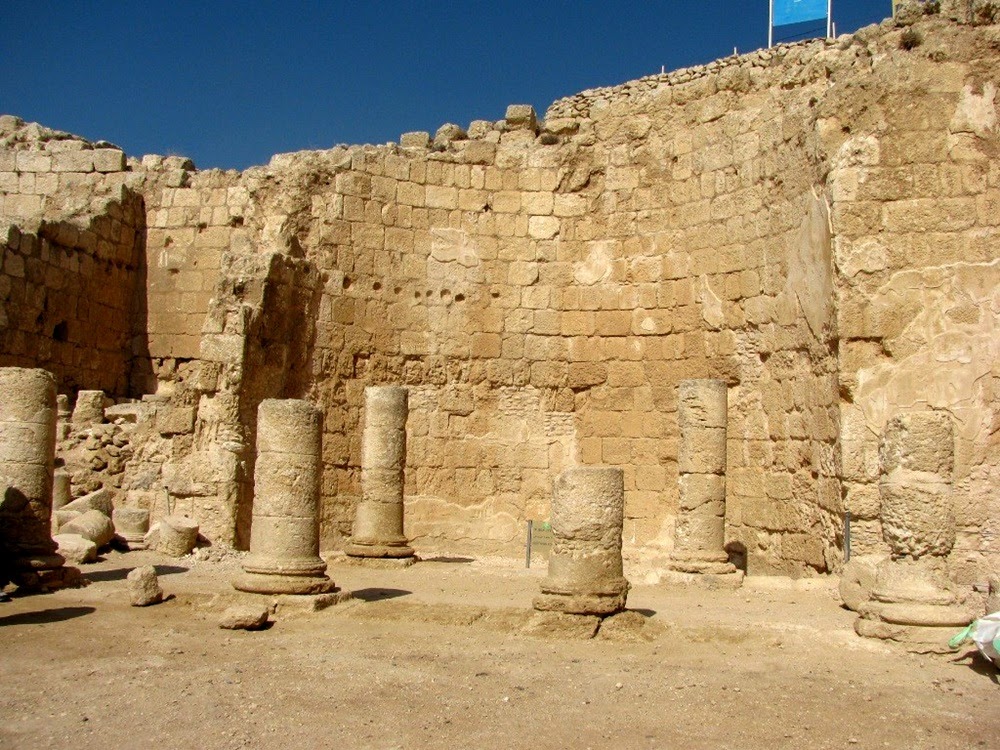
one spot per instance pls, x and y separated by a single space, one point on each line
284 535
912 594
585 565
700 531
27 461
378 520
89 409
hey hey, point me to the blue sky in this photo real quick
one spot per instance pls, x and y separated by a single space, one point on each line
230 83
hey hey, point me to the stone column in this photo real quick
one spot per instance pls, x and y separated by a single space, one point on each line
700 532
27 461
912 588
89 409
284 535
378 520
585 565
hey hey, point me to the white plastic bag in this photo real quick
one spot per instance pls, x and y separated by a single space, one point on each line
985 633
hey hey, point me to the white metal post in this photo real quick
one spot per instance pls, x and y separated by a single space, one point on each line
829 19
770 23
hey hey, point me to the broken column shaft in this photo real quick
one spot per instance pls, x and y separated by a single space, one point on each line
378 520
700 532
284 536
912 588
27 460
585 565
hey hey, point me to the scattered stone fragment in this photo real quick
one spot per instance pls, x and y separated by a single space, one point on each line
143 586
244 617
76 549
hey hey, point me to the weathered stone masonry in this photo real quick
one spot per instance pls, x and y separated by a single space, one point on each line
816 225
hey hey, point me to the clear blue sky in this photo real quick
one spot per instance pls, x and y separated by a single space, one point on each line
229 83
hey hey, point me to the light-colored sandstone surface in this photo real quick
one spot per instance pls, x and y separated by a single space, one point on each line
815 224
427 657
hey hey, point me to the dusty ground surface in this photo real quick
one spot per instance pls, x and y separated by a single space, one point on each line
432 656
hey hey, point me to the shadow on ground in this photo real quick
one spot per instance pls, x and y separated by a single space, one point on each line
378 595
57 614
119 574
447 559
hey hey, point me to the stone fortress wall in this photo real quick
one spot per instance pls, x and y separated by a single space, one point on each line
818 225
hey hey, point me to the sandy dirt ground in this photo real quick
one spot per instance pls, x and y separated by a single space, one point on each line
434 656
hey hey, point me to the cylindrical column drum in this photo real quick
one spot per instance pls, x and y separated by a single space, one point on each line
284 535
378 519
700 531
585 565
27 461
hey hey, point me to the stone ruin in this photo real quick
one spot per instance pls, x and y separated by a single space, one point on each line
816 227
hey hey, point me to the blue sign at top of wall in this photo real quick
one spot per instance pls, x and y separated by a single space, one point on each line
797 11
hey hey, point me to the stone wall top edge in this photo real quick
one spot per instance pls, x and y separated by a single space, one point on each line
16 134
782 56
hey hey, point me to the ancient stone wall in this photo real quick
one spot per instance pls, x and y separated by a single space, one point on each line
815 225
71 243
915 186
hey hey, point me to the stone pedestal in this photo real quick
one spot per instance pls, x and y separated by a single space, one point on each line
700 533
913 600
27 460
284 536
585 564
89 409
131 526
378 520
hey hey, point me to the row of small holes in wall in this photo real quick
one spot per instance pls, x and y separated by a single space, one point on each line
444 294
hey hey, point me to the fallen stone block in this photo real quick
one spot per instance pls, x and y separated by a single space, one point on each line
75 548
92 525
177 536
143 586
99 500
244 617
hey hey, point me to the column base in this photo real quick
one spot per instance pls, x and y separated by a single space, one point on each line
39 562
379 549
922 639
609 600
711 581
702 566
263 583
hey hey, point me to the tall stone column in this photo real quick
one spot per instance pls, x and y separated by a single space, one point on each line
27 461
284 535
913 595
378 519
700 532
585 565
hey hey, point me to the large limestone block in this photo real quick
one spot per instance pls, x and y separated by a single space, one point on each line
92 525
99 500
75 548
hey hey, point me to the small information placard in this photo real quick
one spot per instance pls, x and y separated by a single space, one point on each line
539 542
